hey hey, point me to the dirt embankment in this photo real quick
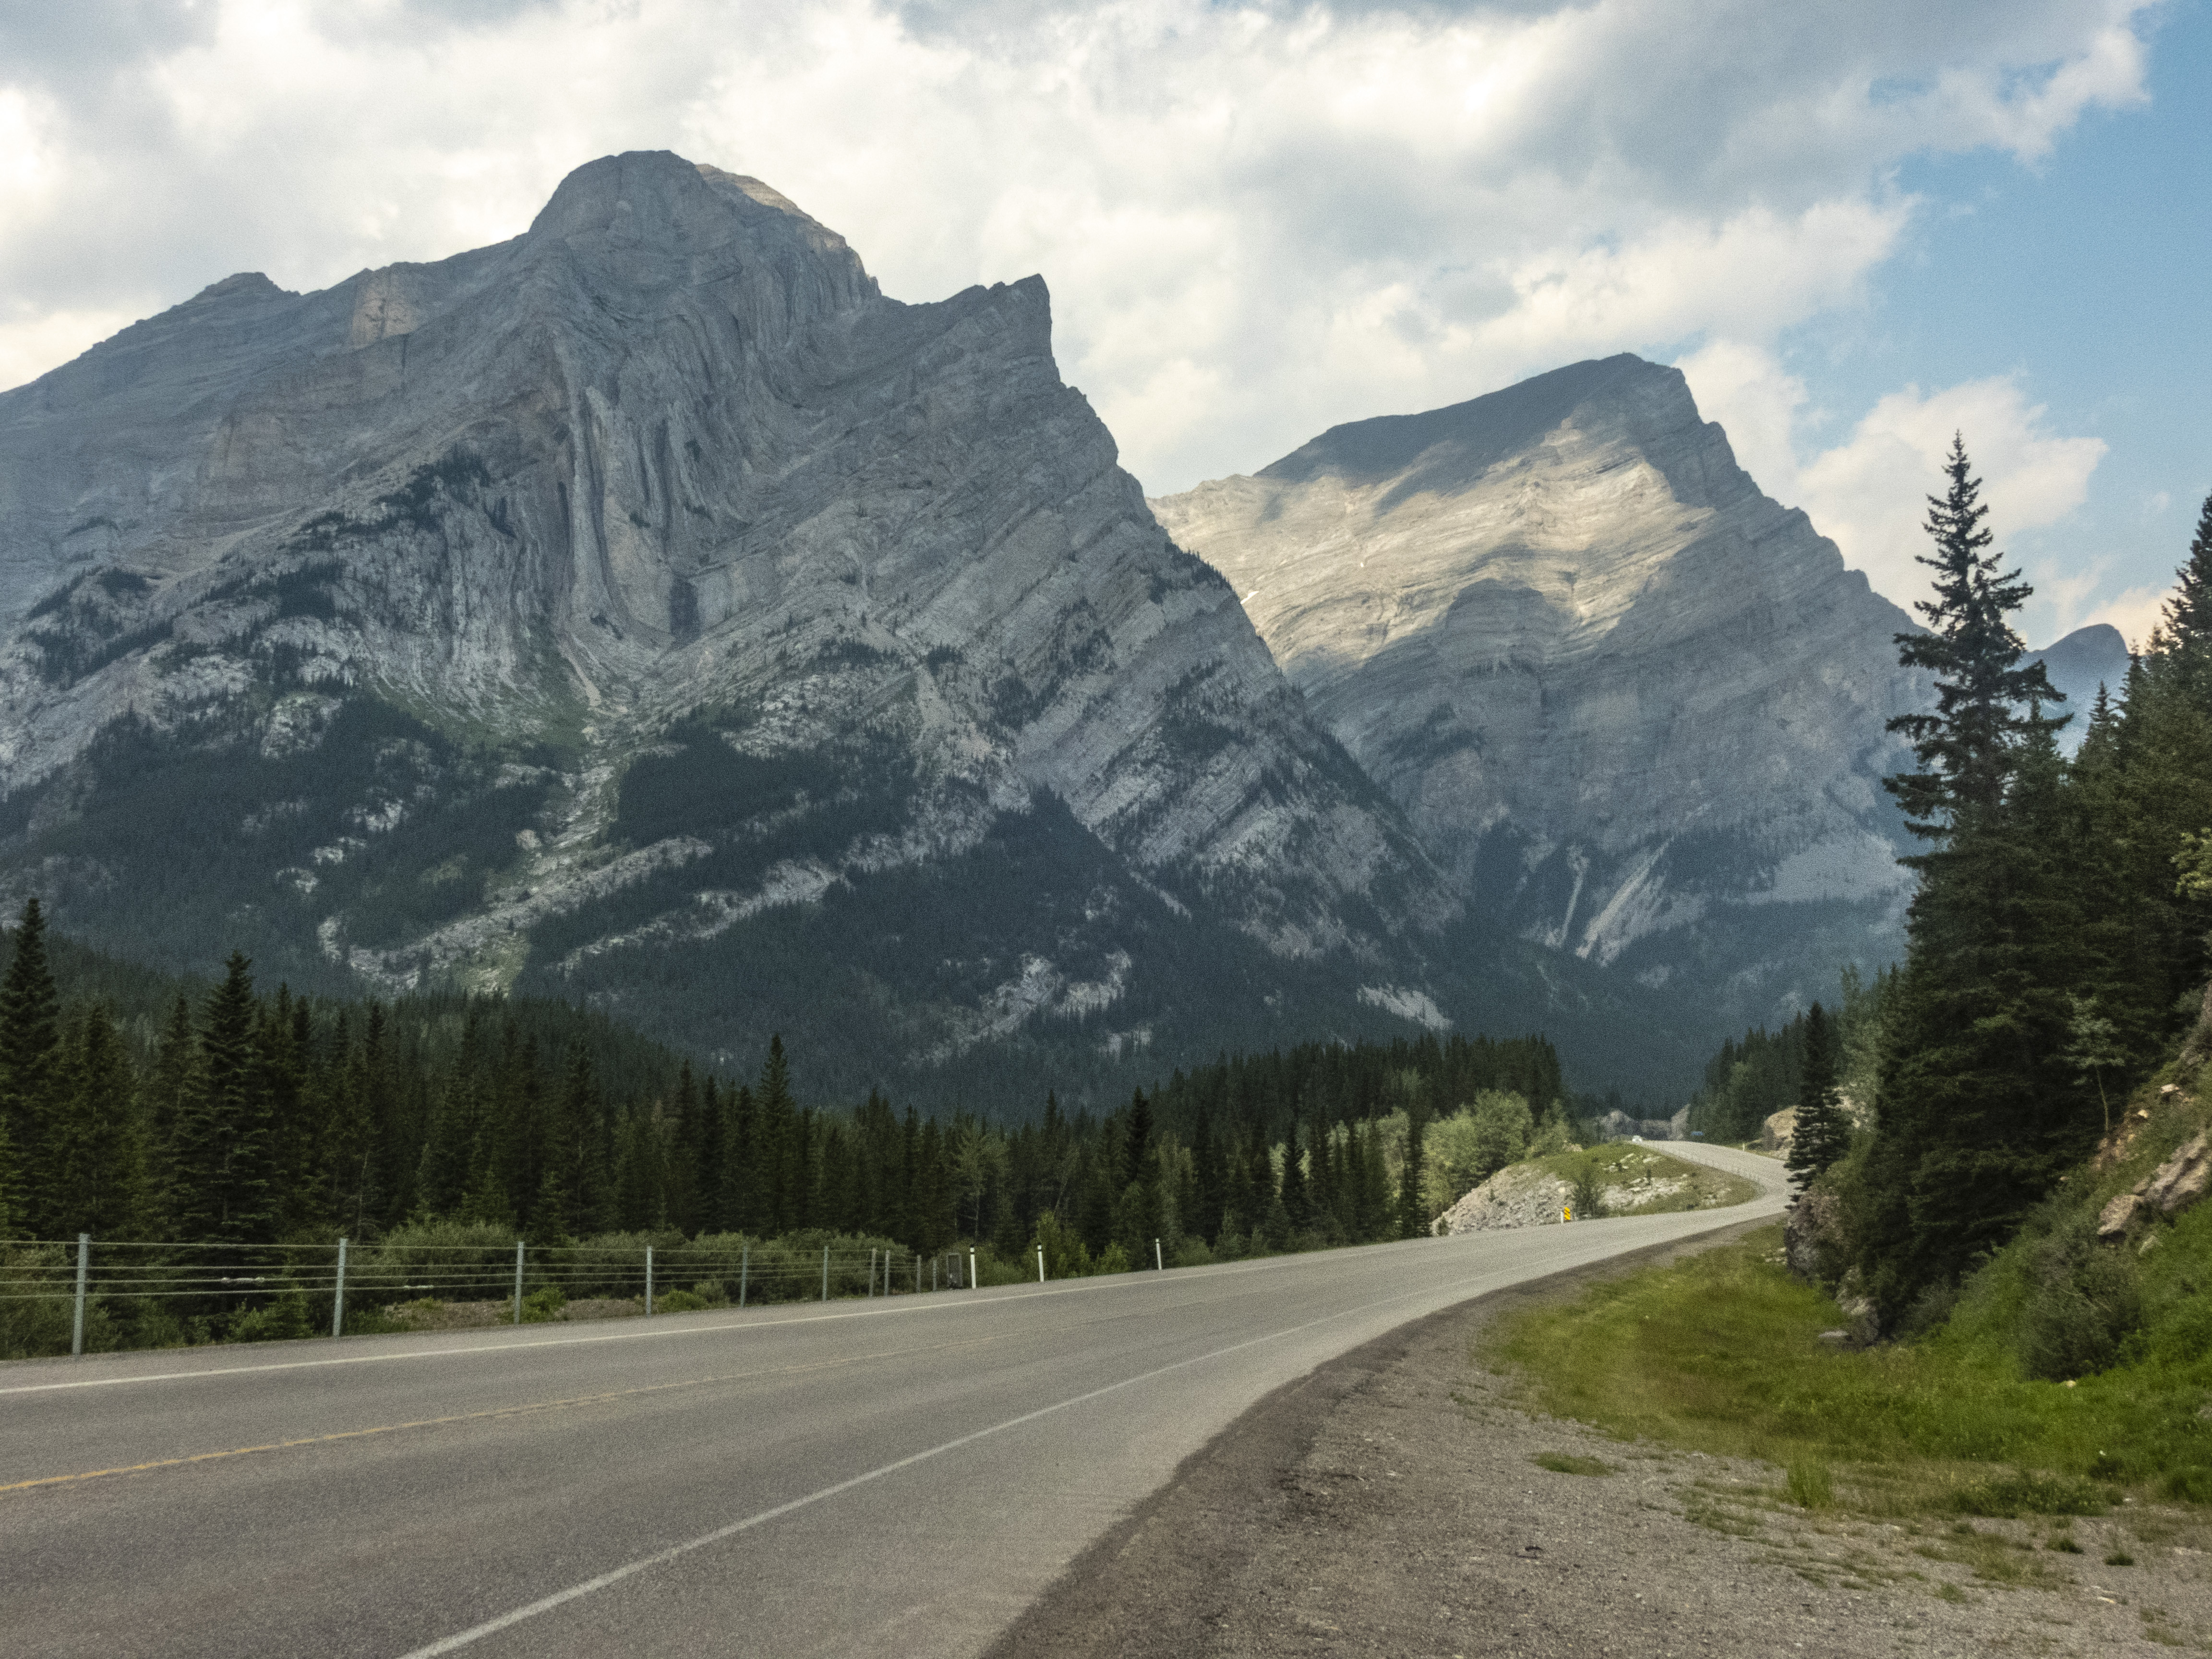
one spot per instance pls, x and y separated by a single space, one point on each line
1392 1504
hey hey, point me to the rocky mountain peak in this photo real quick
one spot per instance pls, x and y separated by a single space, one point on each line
1631 704
646 610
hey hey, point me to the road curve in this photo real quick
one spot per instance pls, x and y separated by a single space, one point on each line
896 1477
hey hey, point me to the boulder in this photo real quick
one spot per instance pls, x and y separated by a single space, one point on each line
1774 1135
1519 1195
1860 1318
1813 1238
2182 1180
2119 1217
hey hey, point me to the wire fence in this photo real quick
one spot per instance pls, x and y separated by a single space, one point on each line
101 1295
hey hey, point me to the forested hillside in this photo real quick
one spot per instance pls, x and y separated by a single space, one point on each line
2058 939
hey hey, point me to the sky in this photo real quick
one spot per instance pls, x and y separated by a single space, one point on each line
1856 229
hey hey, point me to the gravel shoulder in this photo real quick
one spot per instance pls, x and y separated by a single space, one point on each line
1389 1503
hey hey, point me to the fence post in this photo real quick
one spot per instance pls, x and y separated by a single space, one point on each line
338 1303
871 1272
518 1282
971 1266
648 1281
1039 1264
917 1275
1158 1265
83 1263
745 1270
825 1272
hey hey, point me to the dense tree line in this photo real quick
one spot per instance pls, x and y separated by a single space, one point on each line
2057 940
243 1118
1749 1079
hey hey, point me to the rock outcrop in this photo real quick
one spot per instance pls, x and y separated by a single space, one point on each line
648 610
1519 1195
1630 703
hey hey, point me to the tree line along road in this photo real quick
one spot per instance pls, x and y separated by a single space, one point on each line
895 1477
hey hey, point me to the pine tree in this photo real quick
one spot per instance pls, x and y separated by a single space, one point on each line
10 1183
1296 1204
30 1067
1136 1140
103 1169
1967 747
1823 1134
1413 1206
1980 1110
2186 628
222 1152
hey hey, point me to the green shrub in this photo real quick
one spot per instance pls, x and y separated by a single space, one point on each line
2083 1303
284 1320
544 1305
678 1302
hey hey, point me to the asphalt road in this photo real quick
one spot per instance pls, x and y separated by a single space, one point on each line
890 1477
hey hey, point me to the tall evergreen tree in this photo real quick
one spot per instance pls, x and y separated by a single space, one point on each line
222 1150
11 1183
1413 1207
1985 702
2186 619
1823 1134
30 1068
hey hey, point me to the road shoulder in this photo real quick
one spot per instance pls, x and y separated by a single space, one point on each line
1387 1504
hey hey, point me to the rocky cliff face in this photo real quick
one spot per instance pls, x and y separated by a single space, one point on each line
1630 703
646 608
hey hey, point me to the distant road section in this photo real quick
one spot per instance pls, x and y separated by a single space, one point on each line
895 1477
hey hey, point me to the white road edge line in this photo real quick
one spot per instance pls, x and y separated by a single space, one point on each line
493 1627
929 1305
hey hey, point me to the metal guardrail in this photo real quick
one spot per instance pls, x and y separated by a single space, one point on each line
226 1277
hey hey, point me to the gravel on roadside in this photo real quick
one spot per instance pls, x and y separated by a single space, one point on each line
1389 1503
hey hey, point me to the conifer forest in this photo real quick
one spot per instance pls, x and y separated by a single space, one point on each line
164 1124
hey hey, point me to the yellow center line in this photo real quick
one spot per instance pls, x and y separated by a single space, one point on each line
496 1411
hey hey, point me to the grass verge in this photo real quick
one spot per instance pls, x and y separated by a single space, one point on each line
1721 1353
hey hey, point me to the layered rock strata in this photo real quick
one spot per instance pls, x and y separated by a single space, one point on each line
602 610
1633 707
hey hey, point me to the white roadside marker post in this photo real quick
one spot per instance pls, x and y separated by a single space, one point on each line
338 1302
971 1267
83 1263
518 1282
1039 1264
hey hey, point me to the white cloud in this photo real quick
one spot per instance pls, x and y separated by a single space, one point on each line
1257 220
1870 492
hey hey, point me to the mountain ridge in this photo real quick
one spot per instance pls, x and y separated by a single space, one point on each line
1628 702
647 609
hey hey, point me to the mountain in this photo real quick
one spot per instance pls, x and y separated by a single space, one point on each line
1633 707
648 611
2077 666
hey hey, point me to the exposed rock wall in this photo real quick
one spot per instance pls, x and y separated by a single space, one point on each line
666 475
1628 702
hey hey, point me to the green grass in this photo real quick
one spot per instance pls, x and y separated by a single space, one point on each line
1721 1353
